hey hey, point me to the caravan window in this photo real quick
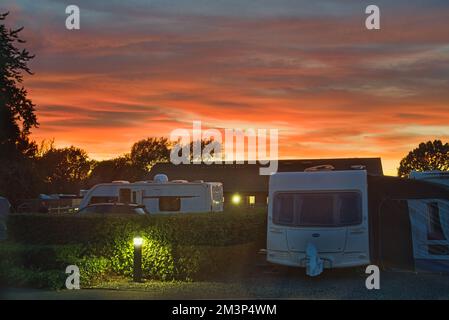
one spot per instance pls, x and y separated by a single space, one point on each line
169 203
316 210
350 207
323 209
434 230
284 207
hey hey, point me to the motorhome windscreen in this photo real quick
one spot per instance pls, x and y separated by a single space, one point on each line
320 209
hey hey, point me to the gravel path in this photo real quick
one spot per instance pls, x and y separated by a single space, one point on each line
267 283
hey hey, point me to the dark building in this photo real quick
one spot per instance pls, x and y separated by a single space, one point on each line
244 179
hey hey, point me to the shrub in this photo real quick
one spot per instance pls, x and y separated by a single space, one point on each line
18 276
44 266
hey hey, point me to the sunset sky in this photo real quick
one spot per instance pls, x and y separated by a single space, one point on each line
142 68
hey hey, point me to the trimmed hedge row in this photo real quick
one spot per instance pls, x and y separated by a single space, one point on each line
220 229
185 247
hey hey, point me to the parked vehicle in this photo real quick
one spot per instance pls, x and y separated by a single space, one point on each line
55 203
324 212
113 209
336 219
160 195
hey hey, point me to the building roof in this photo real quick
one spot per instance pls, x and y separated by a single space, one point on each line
246 177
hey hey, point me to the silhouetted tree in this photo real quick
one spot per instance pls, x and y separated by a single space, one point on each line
17 117
121 168
428 156
187 150
63 170
145 153
204 143
17 112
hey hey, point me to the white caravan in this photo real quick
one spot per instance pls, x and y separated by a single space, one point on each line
440 177
318 220
160 195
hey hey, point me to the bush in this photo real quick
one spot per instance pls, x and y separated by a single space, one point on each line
18 276
44 266
184 247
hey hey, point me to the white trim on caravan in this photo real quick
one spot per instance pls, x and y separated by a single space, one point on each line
160 196
326 211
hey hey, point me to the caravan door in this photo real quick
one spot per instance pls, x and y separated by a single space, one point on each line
128 195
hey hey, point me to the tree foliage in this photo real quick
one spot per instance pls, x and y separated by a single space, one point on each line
145 153
121 168
63 170
17 111
17 117
431 155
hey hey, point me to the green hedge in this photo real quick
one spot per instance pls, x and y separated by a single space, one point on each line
44 266
220 229
186 247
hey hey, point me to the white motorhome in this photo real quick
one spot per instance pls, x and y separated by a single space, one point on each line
440 177
160 195
318 219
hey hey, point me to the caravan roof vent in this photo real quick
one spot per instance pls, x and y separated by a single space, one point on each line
120 181
179 181
324 167
160 178
198 181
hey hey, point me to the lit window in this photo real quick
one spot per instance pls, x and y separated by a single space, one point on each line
252 200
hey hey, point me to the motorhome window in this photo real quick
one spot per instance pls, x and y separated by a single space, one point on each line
284 209
217 194
169 203
323 209
434 230
125 195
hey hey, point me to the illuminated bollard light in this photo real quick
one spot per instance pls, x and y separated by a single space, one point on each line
137 270
236 199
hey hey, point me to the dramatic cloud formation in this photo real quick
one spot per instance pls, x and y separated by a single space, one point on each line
333 88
